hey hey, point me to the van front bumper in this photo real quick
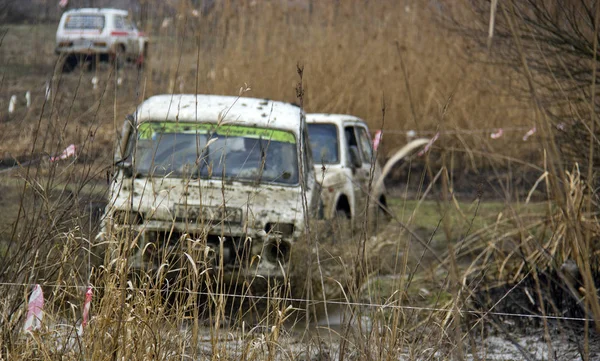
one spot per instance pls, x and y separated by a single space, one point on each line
225 249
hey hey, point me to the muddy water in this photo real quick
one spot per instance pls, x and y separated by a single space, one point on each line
339 322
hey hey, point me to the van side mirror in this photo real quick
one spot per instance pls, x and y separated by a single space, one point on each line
355 159
126 167
127 131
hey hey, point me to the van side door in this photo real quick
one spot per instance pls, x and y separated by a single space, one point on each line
359 170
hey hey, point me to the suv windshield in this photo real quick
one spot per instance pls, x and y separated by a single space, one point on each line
233 152
323 140
85 22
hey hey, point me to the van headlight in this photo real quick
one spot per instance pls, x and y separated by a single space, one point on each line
127 217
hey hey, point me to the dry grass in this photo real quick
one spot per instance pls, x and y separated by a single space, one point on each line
413 295
352 64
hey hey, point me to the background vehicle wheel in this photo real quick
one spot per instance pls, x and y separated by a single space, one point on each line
91 62
69 63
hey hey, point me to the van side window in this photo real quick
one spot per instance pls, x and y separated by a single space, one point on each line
365 144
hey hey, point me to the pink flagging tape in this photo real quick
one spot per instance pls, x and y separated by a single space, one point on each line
377 139
63 3
35 310
423 133
69 151
86 307
529 133
428 145
497 134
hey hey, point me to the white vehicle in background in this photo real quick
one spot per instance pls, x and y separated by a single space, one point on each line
90 35
344 160
347 169
218 174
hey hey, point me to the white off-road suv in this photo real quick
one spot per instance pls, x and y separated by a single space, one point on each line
346 167
92 35
208 174
351 179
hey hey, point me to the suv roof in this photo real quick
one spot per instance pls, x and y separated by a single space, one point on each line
209 108
98 10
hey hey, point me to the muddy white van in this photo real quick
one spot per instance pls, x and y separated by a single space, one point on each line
219 174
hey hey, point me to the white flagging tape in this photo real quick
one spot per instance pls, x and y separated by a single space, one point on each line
12 104
48 91
69 151
377 139
497 134
35 310
87 304
428 145
28 99
414 133
315 302
529 133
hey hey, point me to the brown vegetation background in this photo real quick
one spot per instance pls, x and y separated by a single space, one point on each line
358 57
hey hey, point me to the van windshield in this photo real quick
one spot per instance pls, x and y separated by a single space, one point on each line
323 140
232 152
84 22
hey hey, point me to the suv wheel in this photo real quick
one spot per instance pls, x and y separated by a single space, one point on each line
69 63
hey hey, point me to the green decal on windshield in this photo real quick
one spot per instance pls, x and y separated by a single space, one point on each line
148 129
